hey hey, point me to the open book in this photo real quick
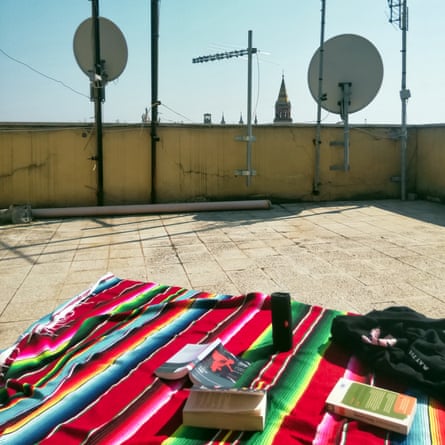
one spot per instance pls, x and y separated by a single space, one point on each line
210 365
231 409
215 400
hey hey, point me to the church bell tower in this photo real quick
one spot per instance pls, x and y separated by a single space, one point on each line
282 105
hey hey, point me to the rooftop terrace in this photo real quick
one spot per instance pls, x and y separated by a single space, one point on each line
352 256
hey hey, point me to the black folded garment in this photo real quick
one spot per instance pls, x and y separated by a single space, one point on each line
397 341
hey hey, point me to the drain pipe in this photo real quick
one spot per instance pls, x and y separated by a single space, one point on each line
139 209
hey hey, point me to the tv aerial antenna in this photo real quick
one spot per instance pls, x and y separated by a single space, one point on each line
249 138
399 15
352 76
101 52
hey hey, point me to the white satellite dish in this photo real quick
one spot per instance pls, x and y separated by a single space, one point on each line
113 48
348 60
349 70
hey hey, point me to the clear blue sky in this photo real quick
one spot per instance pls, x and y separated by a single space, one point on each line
39 33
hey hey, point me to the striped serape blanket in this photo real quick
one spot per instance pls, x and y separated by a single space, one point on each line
84 374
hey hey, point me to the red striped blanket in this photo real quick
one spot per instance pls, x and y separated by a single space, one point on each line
85 373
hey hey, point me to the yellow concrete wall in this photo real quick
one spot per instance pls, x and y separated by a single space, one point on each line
199 162
50 166
46 166
126 165
431 162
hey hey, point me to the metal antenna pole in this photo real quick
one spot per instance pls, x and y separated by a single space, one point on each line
249 108
404 96
249 138
154 92
399 14
319 100
97 89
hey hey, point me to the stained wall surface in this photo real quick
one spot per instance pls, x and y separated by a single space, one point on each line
55 165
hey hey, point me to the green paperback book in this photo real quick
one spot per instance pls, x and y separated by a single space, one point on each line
374 405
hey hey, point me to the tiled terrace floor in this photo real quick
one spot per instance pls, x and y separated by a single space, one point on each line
345 255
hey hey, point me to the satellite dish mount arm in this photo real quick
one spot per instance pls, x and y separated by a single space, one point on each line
344 113
345 100
98 80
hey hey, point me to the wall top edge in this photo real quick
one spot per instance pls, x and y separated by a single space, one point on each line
69 125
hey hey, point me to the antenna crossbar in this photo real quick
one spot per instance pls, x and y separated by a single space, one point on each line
226 55
398 13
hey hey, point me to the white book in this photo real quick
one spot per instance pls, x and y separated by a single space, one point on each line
231 409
